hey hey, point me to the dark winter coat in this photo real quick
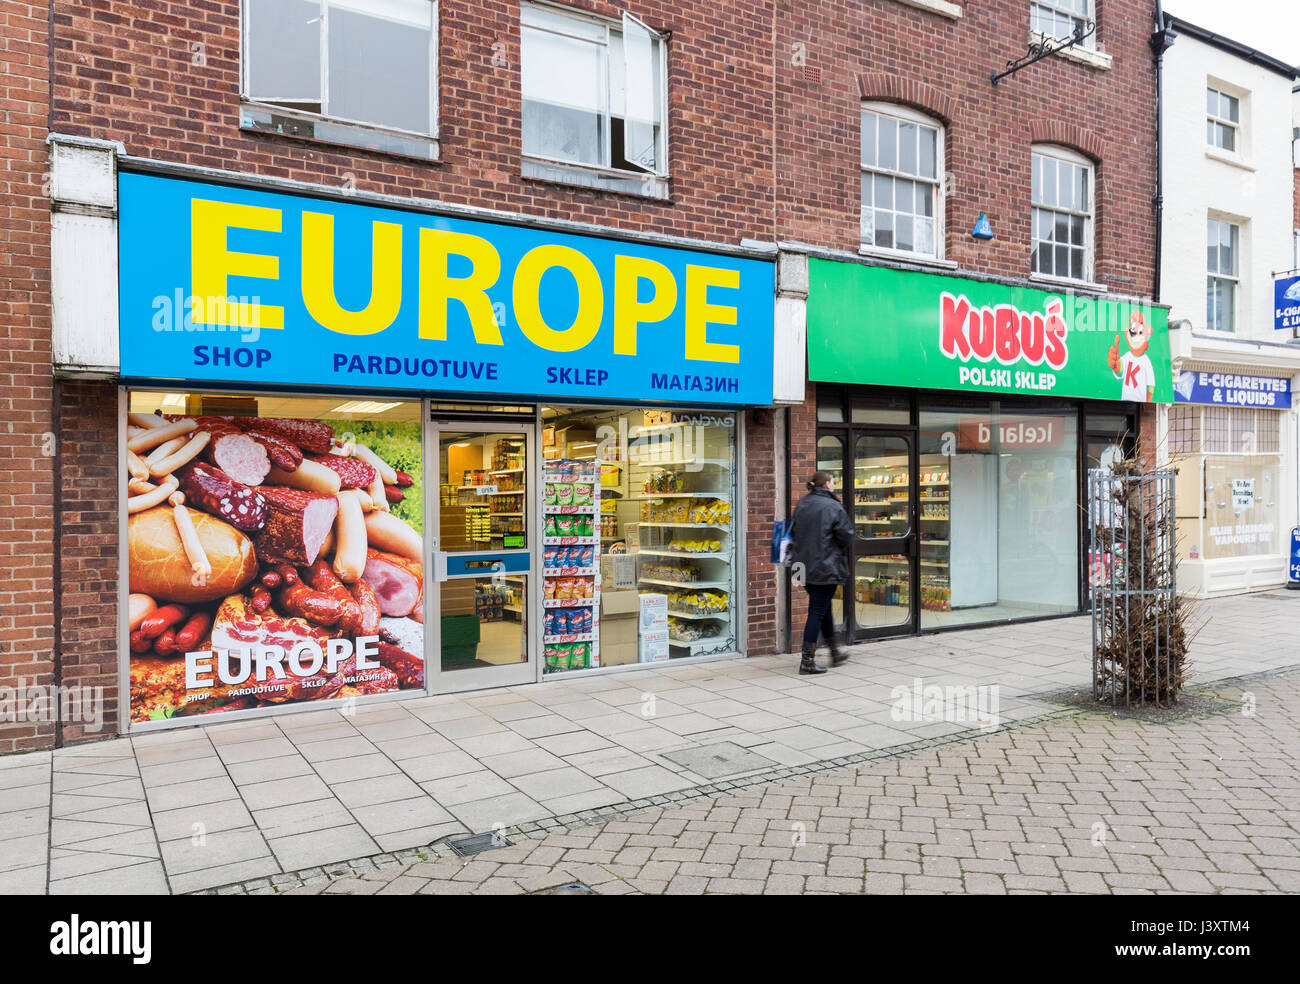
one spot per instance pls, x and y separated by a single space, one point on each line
822 534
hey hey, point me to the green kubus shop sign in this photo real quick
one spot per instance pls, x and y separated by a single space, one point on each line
885 327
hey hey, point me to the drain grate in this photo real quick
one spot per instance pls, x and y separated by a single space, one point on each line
573 888
478 843
725 758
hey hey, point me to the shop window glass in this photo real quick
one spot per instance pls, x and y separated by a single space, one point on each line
998 510
830 405
1241 505
663 494
1184 429
297 524
894 410
882 510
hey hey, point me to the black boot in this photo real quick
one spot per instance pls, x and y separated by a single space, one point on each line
808 662
838 655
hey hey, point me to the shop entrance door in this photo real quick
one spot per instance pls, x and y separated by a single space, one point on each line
1108 438
875 476
484 555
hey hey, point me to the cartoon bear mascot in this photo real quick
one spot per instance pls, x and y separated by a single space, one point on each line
1133 368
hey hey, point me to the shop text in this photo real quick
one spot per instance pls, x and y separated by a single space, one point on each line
260 663
456 270
686 382
391 365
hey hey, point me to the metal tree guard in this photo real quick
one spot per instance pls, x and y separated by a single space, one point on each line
1138 642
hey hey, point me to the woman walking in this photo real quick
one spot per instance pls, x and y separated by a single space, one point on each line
821 537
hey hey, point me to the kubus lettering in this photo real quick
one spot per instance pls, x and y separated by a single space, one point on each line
1004 333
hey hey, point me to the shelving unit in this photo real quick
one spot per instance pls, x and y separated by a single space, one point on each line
934 514
564 644
680 476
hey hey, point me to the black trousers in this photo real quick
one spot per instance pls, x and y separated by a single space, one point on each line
819 613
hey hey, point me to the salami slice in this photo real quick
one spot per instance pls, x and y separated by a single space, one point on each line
298 524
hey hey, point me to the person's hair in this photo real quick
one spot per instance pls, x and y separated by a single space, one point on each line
819 480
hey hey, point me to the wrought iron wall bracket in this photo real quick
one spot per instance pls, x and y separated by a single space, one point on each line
1044 46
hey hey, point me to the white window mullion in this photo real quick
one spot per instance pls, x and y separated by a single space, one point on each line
324 58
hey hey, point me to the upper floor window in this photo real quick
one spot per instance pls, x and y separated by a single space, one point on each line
362 72
594 99
902 160
1223 119
1059 19
1223 241
1062 214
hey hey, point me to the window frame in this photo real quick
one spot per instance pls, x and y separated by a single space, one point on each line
1059 9
1056 152
287 107
1217 122
905 114
658 178
1233 280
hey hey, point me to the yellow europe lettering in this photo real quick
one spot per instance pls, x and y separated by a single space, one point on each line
437 288
629 313
700 314
527 296
212 263
318 277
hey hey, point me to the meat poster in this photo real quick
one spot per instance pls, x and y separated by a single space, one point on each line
272 560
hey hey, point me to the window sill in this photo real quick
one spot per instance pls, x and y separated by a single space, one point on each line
596 179
943 8
1084 285
1084 56
902 256
1236 160
274 121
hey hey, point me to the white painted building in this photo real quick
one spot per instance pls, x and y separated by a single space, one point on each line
1226 230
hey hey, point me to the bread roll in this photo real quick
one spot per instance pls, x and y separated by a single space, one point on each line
159 566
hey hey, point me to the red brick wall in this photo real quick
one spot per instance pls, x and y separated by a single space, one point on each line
88 551
27 445
127 71
882 49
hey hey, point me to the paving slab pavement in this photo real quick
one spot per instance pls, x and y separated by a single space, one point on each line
222 804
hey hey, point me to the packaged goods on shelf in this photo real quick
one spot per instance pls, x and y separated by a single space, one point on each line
697 602
684 574
695 546
681 630
691 510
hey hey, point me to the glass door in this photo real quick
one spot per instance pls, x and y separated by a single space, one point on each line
883 497
1109 438
484 553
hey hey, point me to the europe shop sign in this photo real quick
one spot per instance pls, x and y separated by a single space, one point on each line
879 326
232 285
